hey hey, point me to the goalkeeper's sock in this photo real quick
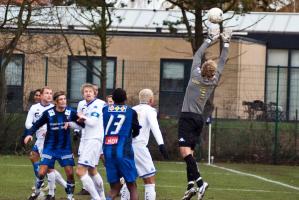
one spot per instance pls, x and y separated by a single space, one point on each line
192 170
199 182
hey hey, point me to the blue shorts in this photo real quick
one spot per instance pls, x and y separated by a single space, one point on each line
35 149
122 167
64 160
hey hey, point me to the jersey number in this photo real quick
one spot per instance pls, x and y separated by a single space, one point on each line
116 123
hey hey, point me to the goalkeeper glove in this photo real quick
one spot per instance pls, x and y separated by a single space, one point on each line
213 31
226 35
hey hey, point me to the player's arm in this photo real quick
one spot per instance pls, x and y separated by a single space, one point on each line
74 117
154 126
226 36
213 34
39 123
29 118
135 124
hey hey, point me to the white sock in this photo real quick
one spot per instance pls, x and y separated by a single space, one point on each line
51 183
98 182
124 193
59 179
149 192
90 186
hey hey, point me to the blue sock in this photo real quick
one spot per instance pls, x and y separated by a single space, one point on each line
70 187
36 168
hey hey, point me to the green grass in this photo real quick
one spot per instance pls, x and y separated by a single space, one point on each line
16 179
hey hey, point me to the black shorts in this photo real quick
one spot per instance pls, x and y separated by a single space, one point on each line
190 126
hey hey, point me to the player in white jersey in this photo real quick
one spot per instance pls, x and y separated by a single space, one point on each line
147 117
33 115
90 148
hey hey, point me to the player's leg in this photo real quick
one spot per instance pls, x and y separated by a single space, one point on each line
132 187
39 181
114 190
51 184
70 187
187 141
145 169
98 181
149 188
34 158
89 158
59 179
88 184
127 169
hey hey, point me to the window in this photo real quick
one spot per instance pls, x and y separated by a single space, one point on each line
78 74
287 61
172 76
14 81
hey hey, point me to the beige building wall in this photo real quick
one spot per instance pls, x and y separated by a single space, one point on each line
242 79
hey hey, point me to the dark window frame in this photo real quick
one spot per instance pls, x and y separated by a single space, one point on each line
89 75
8 87
289 68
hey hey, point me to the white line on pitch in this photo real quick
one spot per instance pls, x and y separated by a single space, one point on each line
256 176
231 189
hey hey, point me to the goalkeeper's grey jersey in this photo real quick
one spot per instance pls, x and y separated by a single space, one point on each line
199 89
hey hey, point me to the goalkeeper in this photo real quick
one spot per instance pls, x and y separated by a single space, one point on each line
203 80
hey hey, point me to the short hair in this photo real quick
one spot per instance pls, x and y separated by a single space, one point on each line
44 88
119 95
145 95
208 68
58 94
108 96
89 85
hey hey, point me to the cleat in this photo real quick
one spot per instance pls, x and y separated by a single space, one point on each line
42 186
50 197
190 193
33 196
202 190
83 192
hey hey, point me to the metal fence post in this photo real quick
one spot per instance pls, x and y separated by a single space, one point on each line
123 74
46 70
276 139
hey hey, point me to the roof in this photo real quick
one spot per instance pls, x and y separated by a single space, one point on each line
147 20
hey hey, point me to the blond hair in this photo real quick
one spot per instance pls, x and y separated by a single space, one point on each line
145 95
89 85
208 69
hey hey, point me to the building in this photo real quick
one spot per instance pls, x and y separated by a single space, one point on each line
143 53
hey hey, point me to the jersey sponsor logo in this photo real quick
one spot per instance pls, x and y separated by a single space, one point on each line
117 108
111 139
95 114
51 113
67 112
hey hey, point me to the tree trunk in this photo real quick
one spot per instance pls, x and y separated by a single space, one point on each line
103 37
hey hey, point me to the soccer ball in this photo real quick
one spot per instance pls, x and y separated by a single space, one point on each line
215 15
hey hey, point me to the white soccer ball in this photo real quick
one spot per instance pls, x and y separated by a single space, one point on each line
215 15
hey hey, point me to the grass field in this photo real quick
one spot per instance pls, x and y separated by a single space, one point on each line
227 181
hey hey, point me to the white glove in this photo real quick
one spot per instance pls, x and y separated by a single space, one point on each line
226 35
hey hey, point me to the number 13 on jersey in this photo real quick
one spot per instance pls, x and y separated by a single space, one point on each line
114 124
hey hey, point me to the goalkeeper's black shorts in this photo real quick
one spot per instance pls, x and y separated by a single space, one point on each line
190 127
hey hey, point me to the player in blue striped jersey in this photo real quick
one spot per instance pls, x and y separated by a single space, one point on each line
120 125
57 145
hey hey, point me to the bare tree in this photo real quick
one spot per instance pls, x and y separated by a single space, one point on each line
96 16
195 29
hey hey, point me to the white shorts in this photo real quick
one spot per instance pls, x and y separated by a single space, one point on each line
89 152
143 161
39 145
